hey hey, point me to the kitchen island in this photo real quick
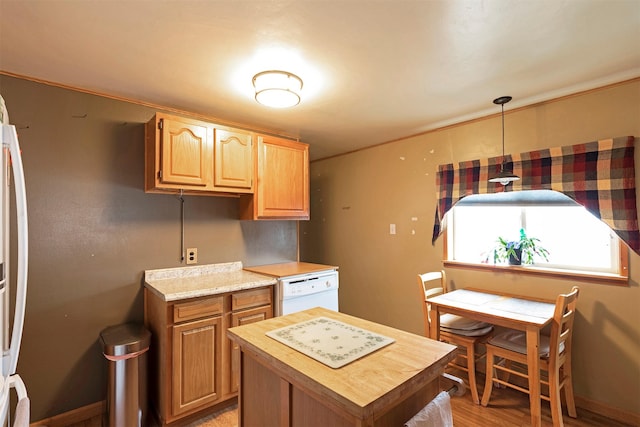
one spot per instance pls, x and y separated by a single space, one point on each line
280 386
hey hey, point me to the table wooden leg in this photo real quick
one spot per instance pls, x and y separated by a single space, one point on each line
434 324
533 362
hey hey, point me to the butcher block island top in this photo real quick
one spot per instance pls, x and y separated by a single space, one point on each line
282 386
172 284
290 268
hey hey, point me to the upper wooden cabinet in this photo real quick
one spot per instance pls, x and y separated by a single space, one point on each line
191 155
234 160
178 154
270 174
282 190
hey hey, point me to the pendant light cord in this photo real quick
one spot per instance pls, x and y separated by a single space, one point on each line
503 159
501 101
503 177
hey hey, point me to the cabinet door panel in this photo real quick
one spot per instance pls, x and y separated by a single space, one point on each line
196 364
283 187
186 153
233 154
240 318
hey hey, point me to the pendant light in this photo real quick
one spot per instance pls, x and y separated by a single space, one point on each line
504 177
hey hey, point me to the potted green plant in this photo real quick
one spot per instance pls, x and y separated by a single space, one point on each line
520 251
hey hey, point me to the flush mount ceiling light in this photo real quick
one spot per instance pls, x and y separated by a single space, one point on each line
504 177
277 89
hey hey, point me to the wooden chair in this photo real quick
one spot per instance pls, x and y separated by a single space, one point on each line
555 358
461 332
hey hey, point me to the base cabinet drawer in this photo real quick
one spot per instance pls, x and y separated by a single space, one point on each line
251 298
202 307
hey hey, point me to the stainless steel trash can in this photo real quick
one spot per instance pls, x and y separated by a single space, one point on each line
125 348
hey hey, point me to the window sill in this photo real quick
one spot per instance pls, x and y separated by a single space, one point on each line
603 278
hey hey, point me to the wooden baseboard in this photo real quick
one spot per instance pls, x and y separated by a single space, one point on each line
626 417
96 409
75 416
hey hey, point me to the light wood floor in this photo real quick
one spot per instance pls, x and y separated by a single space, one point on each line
507 408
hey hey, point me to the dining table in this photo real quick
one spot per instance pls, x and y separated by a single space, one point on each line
522 313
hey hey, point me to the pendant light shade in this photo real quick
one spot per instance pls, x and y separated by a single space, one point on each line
277 89
504 177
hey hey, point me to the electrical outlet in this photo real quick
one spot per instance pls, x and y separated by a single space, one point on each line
192 255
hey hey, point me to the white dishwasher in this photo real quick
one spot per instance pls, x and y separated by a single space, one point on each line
302 285
305 291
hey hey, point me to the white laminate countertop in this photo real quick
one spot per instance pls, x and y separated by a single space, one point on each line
173 284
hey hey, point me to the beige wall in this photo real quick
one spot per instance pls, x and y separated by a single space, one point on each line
93 231
356 196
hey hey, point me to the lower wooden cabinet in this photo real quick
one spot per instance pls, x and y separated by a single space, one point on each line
193 366
196 364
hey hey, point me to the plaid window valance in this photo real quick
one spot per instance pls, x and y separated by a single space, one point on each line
599 175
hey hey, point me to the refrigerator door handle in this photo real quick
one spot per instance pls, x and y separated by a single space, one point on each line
11 138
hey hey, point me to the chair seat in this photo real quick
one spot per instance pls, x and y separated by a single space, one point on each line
451 321
468 332
517 341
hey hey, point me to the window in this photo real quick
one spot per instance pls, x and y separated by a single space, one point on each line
577 241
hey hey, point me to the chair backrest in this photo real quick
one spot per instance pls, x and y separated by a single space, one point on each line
430 285
562 327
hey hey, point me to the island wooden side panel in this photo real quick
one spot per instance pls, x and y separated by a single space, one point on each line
396 415
259 391
275 402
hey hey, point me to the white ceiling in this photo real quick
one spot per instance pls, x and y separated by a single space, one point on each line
373 70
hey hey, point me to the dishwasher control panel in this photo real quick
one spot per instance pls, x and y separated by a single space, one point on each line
307 284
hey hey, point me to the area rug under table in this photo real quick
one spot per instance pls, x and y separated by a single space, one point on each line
329 341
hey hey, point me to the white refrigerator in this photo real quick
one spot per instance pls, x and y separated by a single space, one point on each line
11 329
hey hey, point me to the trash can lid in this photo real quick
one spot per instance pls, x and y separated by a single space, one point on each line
125 339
